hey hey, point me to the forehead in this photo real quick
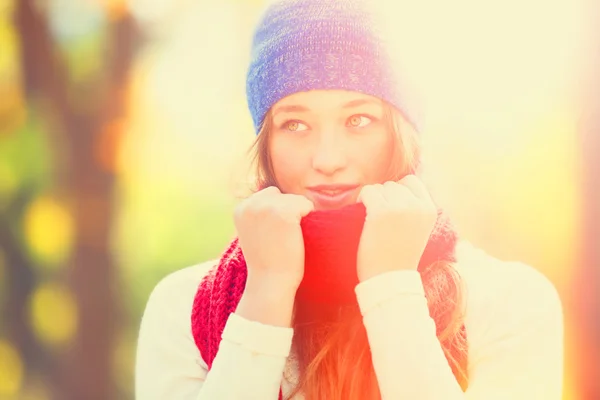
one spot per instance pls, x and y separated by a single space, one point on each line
321 99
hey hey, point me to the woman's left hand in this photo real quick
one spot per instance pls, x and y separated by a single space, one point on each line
400 219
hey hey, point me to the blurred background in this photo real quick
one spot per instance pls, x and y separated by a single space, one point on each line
123 131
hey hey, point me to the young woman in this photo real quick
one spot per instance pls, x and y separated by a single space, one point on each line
345 281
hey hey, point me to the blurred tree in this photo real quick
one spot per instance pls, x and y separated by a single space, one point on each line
84 117
21 281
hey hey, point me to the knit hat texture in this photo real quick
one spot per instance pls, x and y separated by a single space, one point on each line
303 45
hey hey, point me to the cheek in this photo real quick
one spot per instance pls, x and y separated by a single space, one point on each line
375 154
288 165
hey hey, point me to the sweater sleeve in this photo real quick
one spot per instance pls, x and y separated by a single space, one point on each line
250 360
515 351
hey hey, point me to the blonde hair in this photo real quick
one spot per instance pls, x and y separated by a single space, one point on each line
331 344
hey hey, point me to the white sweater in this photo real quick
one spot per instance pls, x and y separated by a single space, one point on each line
513 319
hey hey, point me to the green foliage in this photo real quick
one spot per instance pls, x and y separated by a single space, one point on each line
26 158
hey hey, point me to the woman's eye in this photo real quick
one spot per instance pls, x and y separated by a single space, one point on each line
359 121
294 126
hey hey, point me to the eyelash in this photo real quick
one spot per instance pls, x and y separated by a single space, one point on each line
372 118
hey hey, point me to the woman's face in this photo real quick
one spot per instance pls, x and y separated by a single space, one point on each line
327 144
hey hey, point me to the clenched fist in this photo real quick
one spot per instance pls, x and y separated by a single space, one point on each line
268 226
400 218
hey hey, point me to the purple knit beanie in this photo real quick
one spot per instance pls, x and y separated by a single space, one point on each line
302 45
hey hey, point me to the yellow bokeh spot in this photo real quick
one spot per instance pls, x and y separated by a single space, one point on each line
11 366
49 230
9 42
53 314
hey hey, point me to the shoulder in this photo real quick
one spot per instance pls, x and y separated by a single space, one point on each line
504 298
167 317
168 364
165 330
485 275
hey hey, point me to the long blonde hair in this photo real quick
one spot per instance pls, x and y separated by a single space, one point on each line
331 344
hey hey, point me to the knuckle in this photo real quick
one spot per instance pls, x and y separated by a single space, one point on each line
257 206
390 184
274 190
410 177
268 192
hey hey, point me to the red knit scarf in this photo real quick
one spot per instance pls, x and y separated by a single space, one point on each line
331 241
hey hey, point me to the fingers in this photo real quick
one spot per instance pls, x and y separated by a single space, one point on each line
388 194
291 206
372 196
268 191
398 195
417 187
300 205
258 201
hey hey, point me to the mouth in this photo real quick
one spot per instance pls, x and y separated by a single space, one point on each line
328 197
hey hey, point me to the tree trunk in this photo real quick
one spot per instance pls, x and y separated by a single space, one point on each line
78 132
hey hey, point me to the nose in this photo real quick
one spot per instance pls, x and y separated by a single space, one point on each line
328 156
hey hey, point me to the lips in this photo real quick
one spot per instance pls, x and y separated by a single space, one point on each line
331 192
327 197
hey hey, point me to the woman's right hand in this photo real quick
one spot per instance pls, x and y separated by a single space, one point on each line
268 227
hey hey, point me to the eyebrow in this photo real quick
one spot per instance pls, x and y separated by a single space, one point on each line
298 108
290 109
359 102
